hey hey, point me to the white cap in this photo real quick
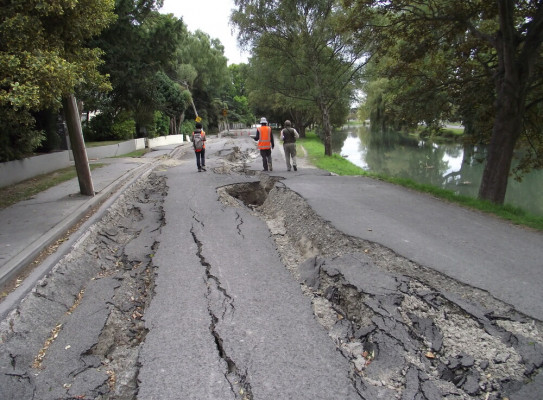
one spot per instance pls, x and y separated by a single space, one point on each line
263 120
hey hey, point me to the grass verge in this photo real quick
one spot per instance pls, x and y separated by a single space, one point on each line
134 154
104 143
24 190
340 166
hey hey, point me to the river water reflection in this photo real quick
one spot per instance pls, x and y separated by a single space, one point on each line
455 167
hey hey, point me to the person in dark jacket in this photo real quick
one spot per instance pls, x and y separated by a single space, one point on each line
289 136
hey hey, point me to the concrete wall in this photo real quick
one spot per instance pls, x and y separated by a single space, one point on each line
115 150
19 170
164 141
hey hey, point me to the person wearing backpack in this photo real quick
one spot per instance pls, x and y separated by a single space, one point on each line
289 136
198 142
264 138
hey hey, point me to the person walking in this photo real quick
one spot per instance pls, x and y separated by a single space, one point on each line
265 141
199 144
289 136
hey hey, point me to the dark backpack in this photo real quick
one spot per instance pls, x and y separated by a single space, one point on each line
197 141
288 134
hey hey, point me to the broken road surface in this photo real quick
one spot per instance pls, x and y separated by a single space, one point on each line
230 284
245 325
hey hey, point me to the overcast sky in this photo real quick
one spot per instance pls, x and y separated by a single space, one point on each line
211 17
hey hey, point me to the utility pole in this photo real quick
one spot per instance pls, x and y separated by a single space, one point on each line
73 122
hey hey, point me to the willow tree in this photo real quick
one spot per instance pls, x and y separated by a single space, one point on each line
209 76
495 55
302 54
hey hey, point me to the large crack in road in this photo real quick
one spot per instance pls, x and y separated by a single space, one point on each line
78 334
407 331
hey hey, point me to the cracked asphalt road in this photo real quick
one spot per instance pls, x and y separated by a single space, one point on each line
248 331
229 285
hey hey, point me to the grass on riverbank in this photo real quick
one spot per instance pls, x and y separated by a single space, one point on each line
338 165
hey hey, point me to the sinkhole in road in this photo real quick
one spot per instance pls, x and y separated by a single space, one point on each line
252 194
406 330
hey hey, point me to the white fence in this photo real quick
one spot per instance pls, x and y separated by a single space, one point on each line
19 170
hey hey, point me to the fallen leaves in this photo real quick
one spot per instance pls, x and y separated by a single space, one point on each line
43 351
137 315
430 355
77 301
54 334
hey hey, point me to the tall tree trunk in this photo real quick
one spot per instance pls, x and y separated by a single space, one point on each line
327 129
73 122
181 119
298 125
500 156
172 126
515 67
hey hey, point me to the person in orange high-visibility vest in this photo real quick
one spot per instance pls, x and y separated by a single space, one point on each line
265 141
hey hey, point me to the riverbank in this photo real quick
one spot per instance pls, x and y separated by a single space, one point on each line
340 166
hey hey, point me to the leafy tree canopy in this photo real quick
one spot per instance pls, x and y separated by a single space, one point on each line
477 60
43 53
44 56
299 52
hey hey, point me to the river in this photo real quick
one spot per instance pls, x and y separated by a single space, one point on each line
452 166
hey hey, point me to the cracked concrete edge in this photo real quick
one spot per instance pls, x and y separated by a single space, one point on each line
108 196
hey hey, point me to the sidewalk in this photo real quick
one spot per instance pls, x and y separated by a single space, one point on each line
30 226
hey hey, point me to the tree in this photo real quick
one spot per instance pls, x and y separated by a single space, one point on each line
141 44
44 58
493 43
300 52
210 81
237 95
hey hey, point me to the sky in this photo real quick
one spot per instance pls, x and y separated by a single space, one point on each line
211 17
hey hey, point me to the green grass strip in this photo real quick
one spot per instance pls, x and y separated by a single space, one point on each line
25 190
104 143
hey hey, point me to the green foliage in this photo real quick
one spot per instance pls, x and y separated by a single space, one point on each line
212 77
140 51
46 121
478 62
188 127
162 124
123 128
18 136
299 57
170 96
106 126
237 101
42 58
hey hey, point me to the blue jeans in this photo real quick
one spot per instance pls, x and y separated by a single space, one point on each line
200 158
